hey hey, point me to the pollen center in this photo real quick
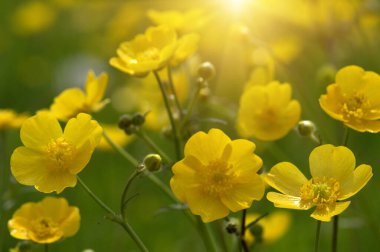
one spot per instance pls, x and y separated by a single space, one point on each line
44 228
60 151
151 53
217 178
321 192
354 107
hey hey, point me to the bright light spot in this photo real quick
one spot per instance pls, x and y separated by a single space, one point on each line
235 5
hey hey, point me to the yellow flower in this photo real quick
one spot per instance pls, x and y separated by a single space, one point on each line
184 22
117 135
354 99
273 226
46 221
51 158
10 119
147 52
217 175
73 100
187 46
334 179
267 112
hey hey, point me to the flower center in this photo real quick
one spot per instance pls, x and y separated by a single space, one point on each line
217 178
44 228
321 192
151 53
60 151
354 107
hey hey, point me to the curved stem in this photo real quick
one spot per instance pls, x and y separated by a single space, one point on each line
124 195
170 115
171 85
121 151
316 244
335 234
141 133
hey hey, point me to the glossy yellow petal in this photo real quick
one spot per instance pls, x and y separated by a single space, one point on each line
332 162
286 178
240 148
364 126
95 89
323 216
56 181
349 79
187 46
71 222
331 103
37 131
68 104
285 201
28 166
207 147
81 130
361 175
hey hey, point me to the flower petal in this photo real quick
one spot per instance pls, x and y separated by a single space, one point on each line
68 104
285 201
37 131
56 181
349 79
71 223
286 178
332 162
364 125
360 178
322 216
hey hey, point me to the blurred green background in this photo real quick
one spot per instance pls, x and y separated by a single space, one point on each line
47 46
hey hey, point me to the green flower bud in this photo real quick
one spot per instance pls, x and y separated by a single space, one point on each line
138 119
206 70
257 231
152 162
306 128
125 121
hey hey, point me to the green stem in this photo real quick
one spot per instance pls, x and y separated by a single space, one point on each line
191 106
46 246
171 85
170 115
316 245
206 236
256 220
345 135
121 151
123 200
335 234
221 231
114 218
141 133
242 231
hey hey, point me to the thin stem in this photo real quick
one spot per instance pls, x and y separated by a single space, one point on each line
171 85
335 234
256 220
221 232
242 231
124 195
170 115
96 198
141 133
345 135
121 151
191 106
46 246
316 245
134 236
206 235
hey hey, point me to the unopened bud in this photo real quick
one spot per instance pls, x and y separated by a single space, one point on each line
138 119
306 128
152 162
257 231
206 70
125 122
232 226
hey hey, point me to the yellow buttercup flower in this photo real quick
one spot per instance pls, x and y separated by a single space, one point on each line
184 22
267 112
46 221
116 134
147 52
334 179
73 101
274 226
217 175
354 99
187 46
10 119
51 158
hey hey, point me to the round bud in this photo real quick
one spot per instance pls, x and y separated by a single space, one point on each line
138 119
232 226
125 121
152 162
206 70
306 128
257 231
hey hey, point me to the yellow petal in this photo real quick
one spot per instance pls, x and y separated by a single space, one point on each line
332 162
95 88
285 201
332 102
362 174
185 176
286 178
364 125
56 181
239 149
82 129
207 147
37 131
68 104
28 166
349 79
322 216
71 222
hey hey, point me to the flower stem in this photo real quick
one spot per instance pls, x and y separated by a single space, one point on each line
121 151
335 234
242 231
206 236
171 85
345 136
191 106
170 115
46 247
140 133
115 218
316 245
123 199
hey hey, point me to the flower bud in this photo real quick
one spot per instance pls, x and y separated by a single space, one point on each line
206 70
232 226
138 119
125 121
306 128
257 231
152 162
